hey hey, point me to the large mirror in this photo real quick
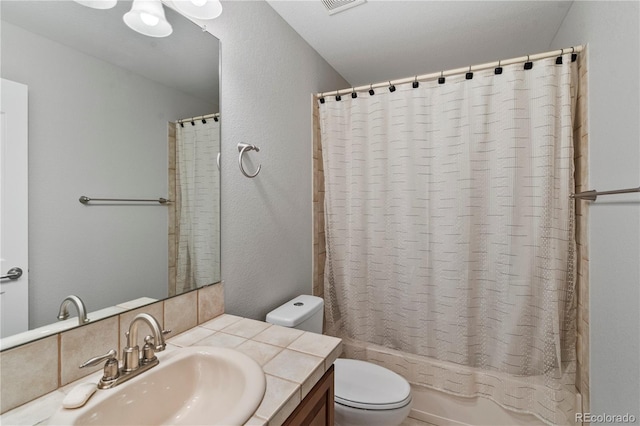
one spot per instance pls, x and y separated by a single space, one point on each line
104 105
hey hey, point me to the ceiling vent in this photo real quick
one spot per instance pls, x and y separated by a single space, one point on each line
336 6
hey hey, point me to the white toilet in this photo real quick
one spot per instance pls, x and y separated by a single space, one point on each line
365 393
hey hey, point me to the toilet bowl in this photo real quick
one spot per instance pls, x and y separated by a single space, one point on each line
365 393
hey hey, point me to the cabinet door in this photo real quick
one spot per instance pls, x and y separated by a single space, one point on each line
317 407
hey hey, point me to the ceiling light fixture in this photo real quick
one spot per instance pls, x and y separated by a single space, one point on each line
98 4
199 9
147 17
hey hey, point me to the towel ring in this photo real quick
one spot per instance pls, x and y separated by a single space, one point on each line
242 148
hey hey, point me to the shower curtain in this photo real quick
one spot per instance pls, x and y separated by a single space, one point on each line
198 210
450 229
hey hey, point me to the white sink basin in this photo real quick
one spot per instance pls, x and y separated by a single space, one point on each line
199 385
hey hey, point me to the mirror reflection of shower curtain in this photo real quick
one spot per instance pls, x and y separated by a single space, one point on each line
450 230
198 209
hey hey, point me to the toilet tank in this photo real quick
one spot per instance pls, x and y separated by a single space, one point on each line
304 313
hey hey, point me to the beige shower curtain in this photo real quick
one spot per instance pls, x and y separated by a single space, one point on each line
450 229
198 209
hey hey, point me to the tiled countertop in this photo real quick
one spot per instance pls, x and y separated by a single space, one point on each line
292 360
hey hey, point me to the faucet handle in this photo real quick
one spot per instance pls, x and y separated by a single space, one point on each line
162 346
97 360
148 351
110 372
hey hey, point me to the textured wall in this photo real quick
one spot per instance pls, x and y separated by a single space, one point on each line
611 30
268 76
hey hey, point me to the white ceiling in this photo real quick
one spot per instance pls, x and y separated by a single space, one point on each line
385 40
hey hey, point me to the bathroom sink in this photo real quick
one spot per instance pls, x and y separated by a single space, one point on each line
197 385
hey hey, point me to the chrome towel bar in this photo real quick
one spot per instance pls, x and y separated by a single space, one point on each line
85 200
593 194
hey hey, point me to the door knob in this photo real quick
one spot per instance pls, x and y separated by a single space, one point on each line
12 274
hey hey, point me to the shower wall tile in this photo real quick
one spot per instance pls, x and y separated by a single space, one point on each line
319 253
172 279
581 160
172 216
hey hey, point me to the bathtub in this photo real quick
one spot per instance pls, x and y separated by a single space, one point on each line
434 406
440 408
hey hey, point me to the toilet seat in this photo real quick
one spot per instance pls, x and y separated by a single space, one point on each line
363 385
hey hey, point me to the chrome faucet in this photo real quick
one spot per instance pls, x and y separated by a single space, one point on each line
133 363
131 353
63 313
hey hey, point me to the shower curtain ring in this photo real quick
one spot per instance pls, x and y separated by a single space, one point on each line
528 65
498 69
242 148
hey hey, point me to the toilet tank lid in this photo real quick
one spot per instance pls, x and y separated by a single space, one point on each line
295 311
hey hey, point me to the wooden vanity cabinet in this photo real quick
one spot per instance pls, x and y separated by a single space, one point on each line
316 409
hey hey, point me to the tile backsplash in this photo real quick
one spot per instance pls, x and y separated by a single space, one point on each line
37 368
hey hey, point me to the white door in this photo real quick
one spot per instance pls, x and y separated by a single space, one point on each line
14 293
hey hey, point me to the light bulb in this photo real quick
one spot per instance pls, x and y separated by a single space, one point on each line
149 19
200 9
98 4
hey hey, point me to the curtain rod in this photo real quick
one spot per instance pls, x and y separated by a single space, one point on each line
550 54
593 194
215 116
